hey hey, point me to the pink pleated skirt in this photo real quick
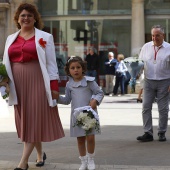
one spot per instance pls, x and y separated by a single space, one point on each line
35 120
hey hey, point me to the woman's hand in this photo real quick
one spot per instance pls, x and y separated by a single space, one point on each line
7 88
93 104
55 94
4 82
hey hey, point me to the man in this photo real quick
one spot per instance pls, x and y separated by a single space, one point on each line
92 63
110 72
156 57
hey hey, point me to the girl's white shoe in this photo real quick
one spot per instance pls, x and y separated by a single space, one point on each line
90 161
83 162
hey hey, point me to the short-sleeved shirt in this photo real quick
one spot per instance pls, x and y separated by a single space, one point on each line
159 69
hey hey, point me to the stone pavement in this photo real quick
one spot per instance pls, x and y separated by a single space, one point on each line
116 148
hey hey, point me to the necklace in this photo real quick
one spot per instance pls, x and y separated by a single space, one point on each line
27 35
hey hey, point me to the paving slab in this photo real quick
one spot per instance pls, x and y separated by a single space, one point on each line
116 147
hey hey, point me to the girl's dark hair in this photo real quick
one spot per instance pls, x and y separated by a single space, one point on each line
75 59
32 9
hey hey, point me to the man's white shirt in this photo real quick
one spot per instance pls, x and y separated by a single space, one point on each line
158 69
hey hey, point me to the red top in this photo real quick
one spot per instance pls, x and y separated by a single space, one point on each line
24 51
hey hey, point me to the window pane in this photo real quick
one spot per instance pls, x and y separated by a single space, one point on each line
163 22
84 7
48 8
72 38
157 6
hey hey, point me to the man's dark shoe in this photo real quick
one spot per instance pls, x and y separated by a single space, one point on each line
145 138
162 137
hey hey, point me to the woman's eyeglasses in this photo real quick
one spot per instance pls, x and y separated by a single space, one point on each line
26 15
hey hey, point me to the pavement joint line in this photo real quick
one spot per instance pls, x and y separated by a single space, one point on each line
7 165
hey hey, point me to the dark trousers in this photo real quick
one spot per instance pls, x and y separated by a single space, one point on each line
119 81
92 73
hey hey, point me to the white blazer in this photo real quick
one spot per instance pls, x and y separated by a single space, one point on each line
47 60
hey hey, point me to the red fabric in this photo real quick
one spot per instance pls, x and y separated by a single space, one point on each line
24 51
54 85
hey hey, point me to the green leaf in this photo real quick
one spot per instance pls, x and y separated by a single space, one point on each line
3 71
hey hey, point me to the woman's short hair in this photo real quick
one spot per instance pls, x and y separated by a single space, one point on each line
32 9
120 56
75 59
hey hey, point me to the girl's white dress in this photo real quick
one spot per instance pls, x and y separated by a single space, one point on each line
79 94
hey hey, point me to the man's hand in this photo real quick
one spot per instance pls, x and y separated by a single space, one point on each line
169 89
55 94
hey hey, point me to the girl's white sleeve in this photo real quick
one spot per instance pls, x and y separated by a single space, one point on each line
67 98
98 94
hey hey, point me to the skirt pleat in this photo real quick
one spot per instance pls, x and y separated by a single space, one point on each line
35 120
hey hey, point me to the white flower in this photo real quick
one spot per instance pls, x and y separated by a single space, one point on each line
85 127
92 123
81 116
87 121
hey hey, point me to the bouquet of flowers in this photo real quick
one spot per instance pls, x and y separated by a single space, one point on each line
87 119
4 88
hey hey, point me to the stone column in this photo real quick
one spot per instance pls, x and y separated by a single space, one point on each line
138 27
94 9
66 7
3 25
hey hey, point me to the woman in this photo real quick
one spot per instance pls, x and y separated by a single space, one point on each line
120 74
30 61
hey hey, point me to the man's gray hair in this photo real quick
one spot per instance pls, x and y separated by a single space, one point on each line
158 26
111 54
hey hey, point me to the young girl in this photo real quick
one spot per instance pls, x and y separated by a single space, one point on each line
81 91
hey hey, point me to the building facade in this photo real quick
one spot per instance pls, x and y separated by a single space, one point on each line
121 26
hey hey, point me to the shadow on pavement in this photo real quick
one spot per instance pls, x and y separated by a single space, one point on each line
116 145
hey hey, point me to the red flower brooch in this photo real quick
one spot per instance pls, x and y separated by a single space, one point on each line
42 42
